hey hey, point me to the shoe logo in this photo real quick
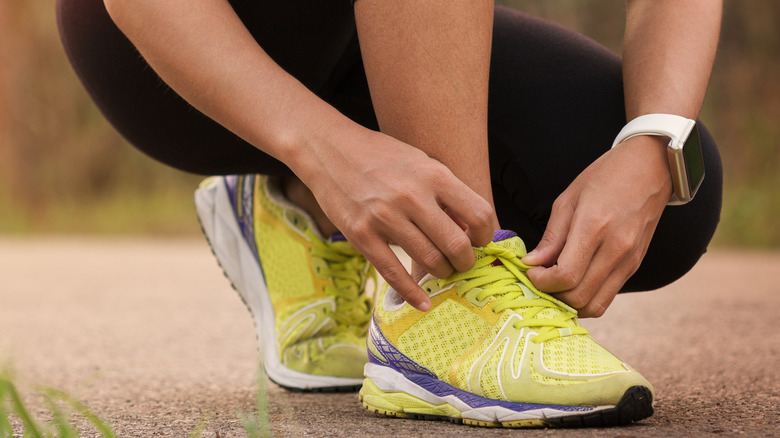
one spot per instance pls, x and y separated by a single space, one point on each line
306 322
508 341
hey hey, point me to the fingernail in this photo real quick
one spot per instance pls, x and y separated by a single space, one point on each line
424 306
530 255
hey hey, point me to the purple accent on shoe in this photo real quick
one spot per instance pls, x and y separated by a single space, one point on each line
442 389
231 181
241 192
424 378
393 358
500 235
372 358
337 237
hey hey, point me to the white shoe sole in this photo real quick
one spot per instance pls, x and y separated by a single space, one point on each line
394 394
215 212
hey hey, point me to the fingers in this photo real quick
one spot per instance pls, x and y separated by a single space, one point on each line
442 228
437 259
599 230
394 273
398 194
572 249
438 246
422 249
472 211
591 271
594 306
555 235
432 235
599 285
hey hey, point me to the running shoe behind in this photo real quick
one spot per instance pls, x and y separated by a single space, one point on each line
307 294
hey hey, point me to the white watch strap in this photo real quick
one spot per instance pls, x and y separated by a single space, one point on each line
666 125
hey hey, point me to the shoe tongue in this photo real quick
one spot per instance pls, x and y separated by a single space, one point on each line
339 243
337 237
507 239
500 235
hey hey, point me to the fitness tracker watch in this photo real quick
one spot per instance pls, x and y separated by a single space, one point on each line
684 150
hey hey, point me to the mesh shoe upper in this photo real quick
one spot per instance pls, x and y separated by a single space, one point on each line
491 333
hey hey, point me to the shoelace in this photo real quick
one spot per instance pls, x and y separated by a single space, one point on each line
505 281
349 271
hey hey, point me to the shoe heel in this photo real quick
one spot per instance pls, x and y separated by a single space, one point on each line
241 267
403 405
215 214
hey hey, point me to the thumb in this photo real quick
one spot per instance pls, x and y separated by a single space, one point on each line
549 248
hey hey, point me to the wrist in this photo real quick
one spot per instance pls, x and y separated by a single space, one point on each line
651 151
313 137
684 155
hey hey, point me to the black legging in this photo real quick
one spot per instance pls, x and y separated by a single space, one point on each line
555 105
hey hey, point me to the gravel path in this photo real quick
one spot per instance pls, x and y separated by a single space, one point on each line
149 334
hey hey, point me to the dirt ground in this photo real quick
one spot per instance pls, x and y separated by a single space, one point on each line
151 337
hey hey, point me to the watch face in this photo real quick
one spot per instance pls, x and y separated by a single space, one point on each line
694 161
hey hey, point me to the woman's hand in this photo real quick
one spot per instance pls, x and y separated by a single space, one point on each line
375 189
601 226
378 190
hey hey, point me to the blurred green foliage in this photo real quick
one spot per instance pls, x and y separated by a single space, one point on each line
63 169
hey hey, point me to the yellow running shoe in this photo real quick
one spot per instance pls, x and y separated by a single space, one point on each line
307 294
495 351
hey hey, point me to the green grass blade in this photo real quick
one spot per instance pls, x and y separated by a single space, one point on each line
262 405
60 419
250 424
99 424
204 421
258 425
5 423
31 427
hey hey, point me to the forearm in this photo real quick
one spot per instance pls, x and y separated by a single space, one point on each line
601 226
427 64
236 83
669 48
